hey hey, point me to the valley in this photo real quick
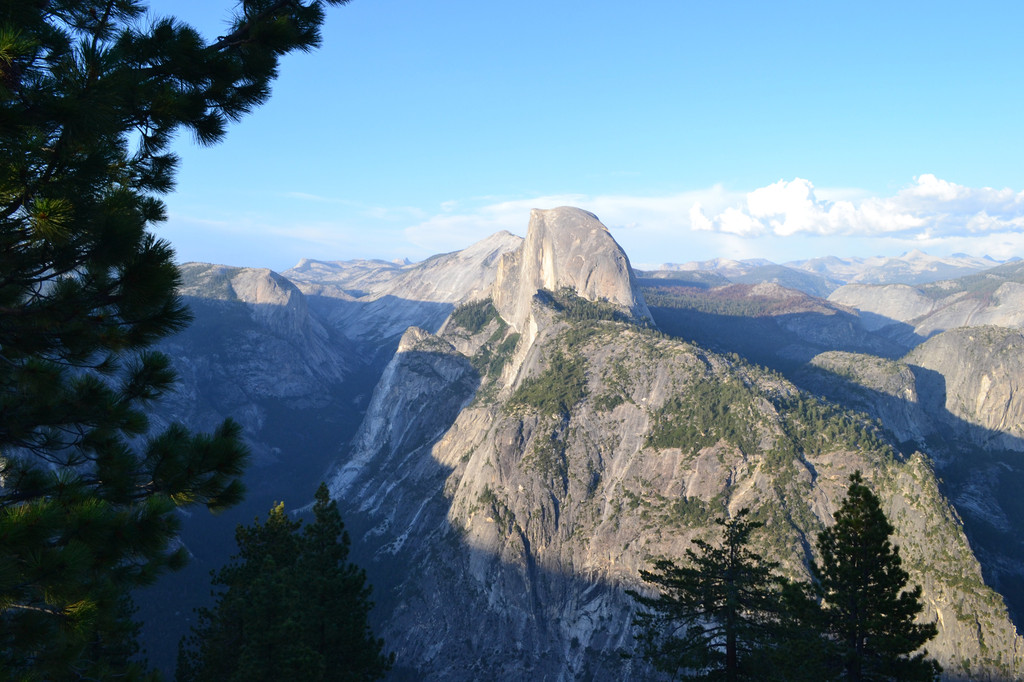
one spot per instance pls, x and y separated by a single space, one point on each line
514 430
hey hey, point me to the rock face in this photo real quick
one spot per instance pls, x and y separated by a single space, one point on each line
887 303
254 339
913 314
885 389
565 247
981 370
374 302
451 277
766 323
518 526
957 397
419 395
520 461
294 360
513 476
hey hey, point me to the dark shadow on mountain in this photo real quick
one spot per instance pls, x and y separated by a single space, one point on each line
393 538
493 613
491 618
385 318
783 342
300 394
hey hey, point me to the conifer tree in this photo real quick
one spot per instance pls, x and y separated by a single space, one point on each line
292 607
721 616
869 615
90 99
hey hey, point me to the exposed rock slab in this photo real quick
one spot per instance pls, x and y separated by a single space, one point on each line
982 373
519 526
376 301
993 297
565 247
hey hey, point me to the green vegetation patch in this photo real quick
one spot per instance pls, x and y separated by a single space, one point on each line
558 388
732 301
706 413
616 381
496 352
818 427
475 315
693 512
491 359
549 458
606 402
574 307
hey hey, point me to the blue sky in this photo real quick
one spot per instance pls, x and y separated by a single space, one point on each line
694 130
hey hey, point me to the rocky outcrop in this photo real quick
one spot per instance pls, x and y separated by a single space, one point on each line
1004 308
254 338
766 323
272 300
885 389
518 526
994 297
376 301
510 480
565 247
420 393
885 304
450 278
981 378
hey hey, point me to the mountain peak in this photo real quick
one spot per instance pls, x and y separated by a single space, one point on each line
565 247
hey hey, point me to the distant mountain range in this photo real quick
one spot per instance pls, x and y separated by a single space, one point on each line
821 276
513 430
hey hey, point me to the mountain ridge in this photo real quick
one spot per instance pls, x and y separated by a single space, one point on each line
494 461
550 482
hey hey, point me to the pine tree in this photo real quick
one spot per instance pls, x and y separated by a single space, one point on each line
337 596
90 99
868 613
292 607
721 616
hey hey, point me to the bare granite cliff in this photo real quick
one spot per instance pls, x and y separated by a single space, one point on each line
565 247
980 372
992 297
510 535
522 458
517 469
957 397
376 301
886 303
254 339
450 277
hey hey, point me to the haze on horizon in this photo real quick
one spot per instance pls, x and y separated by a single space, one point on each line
736 130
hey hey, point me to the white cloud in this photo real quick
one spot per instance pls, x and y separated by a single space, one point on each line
734 221
930 187
785 220
782 221
699 221
648 216
930 207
